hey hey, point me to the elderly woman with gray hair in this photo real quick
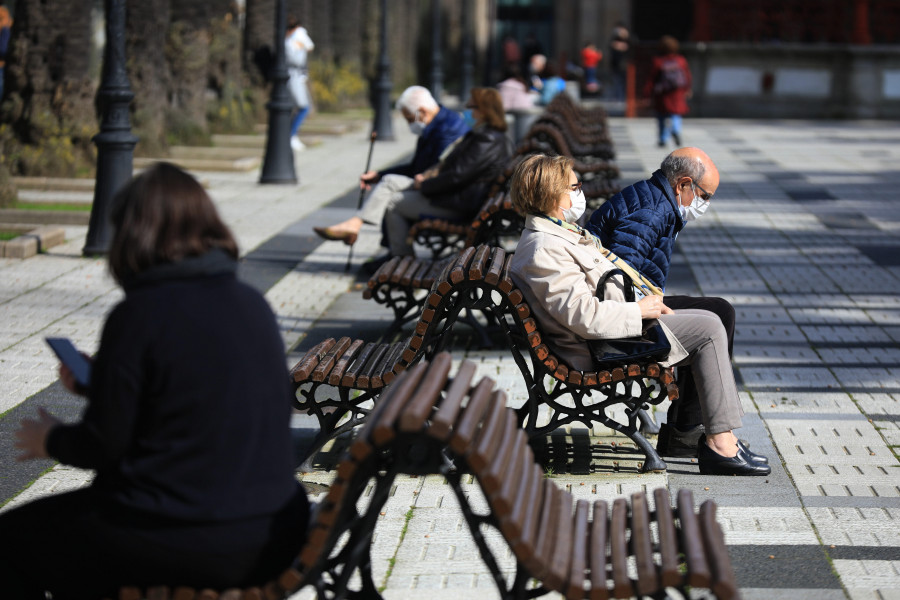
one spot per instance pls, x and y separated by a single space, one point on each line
558 266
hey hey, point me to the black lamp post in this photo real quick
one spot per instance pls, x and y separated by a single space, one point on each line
383 127
278 165
437 71
115 143
467 68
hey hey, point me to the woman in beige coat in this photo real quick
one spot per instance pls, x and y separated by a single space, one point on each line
558 266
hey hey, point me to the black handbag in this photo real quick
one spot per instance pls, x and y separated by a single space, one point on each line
651 346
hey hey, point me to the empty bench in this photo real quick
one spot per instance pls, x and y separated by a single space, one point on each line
428 422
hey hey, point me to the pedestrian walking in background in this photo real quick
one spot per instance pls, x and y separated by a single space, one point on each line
297 46
187 424
619 50
669 85
590 57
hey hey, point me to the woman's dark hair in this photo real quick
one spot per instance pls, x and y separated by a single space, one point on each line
162 216
490 105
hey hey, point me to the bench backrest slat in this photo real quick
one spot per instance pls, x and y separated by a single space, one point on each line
561 557
599 543
443 421
642 545
668 539
337 373
550 515
427 396
397 398
698 574
579 550
469 421
328 360
723 575
305 367
487 447
618 549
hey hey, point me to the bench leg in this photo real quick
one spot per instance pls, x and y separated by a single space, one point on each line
648 425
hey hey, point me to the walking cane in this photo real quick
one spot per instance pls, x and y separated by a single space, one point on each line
362 192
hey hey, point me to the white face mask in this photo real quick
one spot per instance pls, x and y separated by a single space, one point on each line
417 126
571 215
696 209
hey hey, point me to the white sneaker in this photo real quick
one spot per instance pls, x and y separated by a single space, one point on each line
296 144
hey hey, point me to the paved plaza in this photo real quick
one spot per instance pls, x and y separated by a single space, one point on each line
803 237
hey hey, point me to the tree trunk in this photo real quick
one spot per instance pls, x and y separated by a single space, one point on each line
146 23
49 84
187 54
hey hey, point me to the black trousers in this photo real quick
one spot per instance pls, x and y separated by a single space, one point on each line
77 546
685 412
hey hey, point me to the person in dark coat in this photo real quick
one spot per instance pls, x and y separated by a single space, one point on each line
453 189
186 425
669 85
437 128
639 225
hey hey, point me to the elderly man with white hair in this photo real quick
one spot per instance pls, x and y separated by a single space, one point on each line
436 126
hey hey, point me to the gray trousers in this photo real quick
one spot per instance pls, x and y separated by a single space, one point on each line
702 335
395 202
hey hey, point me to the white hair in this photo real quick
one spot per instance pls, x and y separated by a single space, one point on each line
415 97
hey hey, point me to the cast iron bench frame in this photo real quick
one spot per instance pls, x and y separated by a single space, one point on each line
430 423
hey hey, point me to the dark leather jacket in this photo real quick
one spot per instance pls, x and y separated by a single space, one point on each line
469 170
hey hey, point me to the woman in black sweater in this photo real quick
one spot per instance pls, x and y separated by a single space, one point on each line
187 422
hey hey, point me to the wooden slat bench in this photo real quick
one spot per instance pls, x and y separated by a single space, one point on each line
495 221
338 378
481 284
430 423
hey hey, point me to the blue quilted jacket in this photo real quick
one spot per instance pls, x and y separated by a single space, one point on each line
640 224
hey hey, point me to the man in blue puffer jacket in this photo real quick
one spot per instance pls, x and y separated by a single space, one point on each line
640 224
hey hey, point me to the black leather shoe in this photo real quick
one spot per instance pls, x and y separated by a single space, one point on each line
753 455
677 443
713 463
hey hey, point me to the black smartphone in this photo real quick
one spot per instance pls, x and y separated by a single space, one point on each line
70 356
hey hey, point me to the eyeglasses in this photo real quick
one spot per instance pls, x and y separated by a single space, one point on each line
575 187
705 195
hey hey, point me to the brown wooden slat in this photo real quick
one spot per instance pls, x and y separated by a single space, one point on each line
330 357
556 577
698 574
506 499
485 449
396 398
357 365
580 539
385 366
618 549
599 542
428 394
506 283
468 422
642 545
443 421
207 594
724 584
410 272
418 278
310 360
478 266
401 267
337 373
521 528
384 272
498 259
458 272
229 594
546 538
130 593
368 370
252 594
669 561
273 591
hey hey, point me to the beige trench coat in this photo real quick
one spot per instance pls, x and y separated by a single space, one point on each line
558 271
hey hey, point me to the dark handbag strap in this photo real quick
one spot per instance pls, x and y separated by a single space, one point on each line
627 289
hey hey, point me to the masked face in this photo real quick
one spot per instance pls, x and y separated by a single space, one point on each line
571 215
696 209
417 126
